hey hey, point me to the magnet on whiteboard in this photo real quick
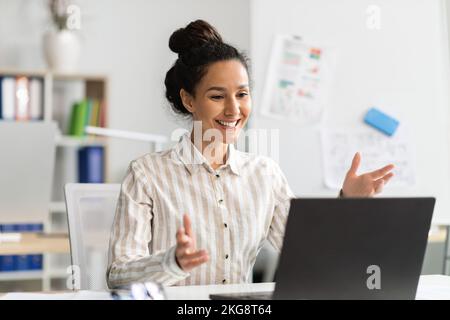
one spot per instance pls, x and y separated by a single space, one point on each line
381 121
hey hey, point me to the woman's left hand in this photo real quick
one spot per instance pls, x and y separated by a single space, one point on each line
368 184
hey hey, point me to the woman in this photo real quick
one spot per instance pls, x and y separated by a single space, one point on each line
199 212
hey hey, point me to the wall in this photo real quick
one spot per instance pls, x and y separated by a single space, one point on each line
401 68
128 41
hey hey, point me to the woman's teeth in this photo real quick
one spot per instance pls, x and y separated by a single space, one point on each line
228 124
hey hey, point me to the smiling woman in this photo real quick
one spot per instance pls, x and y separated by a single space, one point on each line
209 81
203 193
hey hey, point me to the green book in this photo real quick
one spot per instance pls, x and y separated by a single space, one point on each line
79 119
72 118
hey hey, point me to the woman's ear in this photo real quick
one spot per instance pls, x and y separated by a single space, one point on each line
187 100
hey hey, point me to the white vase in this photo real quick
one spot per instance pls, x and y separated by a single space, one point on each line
62 50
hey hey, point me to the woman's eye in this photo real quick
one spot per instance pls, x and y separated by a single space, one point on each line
216 97
242 94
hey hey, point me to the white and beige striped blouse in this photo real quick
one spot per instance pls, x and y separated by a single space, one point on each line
233 210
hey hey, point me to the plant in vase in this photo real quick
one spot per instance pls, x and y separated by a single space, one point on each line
61 43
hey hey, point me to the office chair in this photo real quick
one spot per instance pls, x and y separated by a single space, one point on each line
90 211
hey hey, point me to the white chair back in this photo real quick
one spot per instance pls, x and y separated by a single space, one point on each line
90 210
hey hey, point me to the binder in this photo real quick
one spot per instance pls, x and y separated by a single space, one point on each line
8 100
91 164
89 107
36 99
1 99
22 97
95 113
21 261
7 262
35 260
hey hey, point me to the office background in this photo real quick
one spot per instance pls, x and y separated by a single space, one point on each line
127 41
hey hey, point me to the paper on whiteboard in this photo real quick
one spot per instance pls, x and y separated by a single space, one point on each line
296 81
377 150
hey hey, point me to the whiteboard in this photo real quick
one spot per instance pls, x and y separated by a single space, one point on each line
401 68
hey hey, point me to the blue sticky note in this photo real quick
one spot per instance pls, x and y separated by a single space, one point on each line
381 121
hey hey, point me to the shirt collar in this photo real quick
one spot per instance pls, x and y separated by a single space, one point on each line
193 159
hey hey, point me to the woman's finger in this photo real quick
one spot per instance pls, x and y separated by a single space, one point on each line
185 242
196 262
388 177
187 225
378 186
195 255
180 233
377 174
355 163
185 258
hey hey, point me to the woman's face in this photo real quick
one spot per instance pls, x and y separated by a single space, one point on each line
222 99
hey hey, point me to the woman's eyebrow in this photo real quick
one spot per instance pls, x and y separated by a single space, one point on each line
217 89
242 86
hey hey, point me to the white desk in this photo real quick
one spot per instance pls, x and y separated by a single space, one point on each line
430 287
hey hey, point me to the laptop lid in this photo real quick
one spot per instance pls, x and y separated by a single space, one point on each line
370 248
26 170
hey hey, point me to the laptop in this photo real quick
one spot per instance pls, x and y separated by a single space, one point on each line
360 248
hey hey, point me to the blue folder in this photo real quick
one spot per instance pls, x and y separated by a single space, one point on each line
91 164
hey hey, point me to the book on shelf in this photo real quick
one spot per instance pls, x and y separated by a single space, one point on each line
1 99
87 112
21 98
36 99
21 262
8 101
91 164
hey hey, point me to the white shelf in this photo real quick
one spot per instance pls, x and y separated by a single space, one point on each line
32 275
57 207
72 141
61 90
57 273
21 275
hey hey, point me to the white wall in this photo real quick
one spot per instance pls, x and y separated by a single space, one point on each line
128 41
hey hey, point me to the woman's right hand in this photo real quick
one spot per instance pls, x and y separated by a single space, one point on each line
186 254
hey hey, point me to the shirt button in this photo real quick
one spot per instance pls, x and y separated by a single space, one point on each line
224 281
226 226
226 256
221 200
218 175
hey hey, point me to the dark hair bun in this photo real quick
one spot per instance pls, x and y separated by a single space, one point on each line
198 45
195 35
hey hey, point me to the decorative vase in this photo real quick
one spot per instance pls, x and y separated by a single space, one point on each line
62 50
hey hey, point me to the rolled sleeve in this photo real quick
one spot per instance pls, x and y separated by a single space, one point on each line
130 259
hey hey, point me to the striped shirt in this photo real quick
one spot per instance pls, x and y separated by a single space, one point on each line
233 210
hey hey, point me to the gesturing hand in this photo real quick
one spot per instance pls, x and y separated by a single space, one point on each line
186 254
368 184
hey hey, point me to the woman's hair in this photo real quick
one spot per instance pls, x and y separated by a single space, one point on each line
198 45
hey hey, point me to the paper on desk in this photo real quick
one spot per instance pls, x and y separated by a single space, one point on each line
10 237
433 287
79 295
377 150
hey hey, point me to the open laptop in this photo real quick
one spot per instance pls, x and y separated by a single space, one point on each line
367 248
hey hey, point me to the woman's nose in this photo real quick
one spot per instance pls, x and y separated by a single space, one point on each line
232 107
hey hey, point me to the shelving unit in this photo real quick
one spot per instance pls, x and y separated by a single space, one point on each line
60 91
